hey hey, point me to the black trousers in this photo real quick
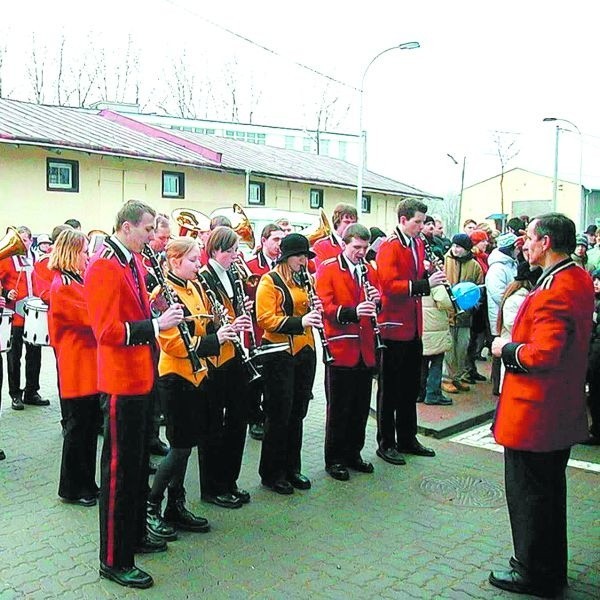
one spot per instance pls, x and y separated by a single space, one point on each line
536 494
348 394
222 445
33 363
124 477
399 383
593 377
288 382
255 411
81 418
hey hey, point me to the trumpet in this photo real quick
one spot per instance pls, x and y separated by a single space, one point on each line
171 299
241 271
220 314
310 290
364 271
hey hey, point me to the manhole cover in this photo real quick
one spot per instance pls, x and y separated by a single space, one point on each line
463 490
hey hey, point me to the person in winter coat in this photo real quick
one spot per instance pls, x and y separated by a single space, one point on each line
460 266
436 342
593 373
580 256
502 271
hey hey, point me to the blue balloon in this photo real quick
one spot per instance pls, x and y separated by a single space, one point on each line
467 294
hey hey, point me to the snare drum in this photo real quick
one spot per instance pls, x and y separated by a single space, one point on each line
6 319
36 322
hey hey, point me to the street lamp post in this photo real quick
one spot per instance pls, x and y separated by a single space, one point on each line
361 138
556 144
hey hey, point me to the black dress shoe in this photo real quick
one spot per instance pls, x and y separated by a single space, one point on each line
126 576
150 545
2 455
17 401
226 500
477 377
243 495
362 466
299 481
417 449
35 400
281 486
512 581
86 501
158 447
338 471
257 431
390 455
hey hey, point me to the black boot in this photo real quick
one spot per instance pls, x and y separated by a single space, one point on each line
177 515
155 524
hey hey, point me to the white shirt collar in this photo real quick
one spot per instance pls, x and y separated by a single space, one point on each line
128 254
222 275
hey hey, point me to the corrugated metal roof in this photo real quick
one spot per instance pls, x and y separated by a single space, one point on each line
85 130
293 164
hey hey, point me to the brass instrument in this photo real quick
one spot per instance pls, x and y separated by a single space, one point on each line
379 345
319 231
240 270
171 299
436 263
240 223
310 290
12 244
191 222
221 317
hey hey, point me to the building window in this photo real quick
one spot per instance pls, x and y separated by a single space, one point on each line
307 145
289 142
342 150
62 175
316 198
256 193
324 147
366 204
173 184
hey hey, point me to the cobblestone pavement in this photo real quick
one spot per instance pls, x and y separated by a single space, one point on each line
431 529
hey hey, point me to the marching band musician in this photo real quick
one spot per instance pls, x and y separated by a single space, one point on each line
402 276
347 318
331 246
16 279
220 454
182 389
125 335
74 345
284 313
264 260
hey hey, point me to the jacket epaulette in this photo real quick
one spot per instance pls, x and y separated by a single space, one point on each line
106 252
328 261
547 283
66 280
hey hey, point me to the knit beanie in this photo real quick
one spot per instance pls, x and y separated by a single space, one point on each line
463 240
506 240
478 236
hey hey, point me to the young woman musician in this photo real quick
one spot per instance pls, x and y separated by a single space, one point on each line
75 346
284 313
183 384
223 446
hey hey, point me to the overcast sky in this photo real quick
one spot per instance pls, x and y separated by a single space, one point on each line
483 66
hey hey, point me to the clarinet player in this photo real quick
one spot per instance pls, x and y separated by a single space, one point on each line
285 315
350 303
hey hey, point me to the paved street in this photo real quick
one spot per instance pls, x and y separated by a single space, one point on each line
431 529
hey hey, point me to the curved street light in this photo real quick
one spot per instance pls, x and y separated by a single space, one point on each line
361 141
556 143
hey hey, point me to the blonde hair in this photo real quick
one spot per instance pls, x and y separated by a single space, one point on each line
65 252
178 247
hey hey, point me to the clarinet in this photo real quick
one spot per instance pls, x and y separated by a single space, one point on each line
310 290
238 290
220 313
436 263
379 345
171 299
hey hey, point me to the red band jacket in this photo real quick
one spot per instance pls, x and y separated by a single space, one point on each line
401 273
72 337
350 337
121 320
43 278
325 249
542 404
16 273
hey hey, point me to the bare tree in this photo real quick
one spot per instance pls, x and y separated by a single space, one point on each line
36 70
60 69
84 71
242 95
507 150
118 80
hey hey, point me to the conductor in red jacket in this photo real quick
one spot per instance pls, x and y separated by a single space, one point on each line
403 280
542 412
349 304
126 334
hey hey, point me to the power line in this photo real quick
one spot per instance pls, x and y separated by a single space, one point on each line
262 47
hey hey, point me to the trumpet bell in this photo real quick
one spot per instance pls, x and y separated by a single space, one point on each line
190 222
12 244
319 231
240 223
